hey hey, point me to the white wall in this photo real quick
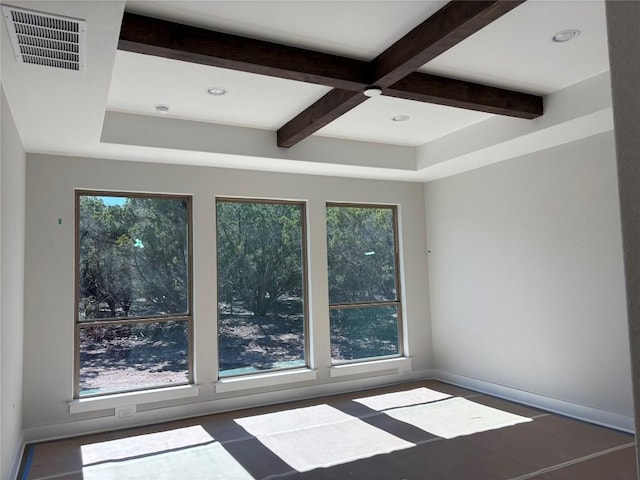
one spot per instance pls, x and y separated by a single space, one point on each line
49 318
526 276
12 221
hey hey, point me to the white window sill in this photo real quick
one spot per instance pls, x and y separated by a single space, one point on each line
116 400
264 380
400 365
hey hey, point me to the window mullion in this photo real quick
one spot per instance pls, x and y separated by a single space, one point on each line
132 320
341 306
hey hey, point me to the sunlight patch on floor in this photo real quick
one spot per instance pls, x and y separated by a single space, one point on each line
188 453
319 436
454 417
402 399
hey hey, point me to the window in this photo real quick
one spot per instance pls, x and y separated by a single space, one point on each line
364 306
133 288
262 320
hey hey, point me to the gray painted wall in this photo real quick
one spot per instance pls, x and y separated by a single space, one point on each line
526 276
525 272
623 20
49 328
12 221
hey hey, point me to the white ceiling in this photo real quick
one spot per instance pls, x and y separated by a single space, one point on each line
63 112
358 29
140 82
517 52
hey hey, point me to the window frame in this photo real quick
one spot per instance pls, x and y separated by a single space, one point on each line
305 283
397 303
188 317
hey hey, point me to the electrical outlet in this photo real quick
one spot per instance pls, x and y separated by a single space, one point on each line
125 412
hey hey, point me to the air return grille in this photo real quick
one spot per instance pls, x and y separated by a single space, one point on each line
45 39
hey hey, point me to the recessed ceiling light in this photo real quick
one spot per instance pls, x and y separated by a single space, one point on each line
372 91
565 35
401 118
217 91
164 109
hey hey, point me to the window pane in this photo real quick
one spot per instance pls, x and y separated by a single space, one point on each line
133 356
261 315
358 333
133 257
361 254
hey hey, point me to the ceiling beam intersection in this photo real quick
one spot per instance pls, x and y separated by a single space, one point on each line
450 25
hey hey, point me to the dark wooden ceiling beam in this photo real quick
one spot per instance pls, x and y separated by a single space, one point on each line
450 25
331 106
393 70
161 38
427 88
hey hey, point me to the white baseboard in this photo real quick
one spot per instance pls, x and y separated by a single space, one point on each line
221 404
177 412
562 407
16 460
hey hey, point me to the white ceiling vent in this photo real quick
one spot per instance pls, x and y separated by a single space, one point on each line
45 39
